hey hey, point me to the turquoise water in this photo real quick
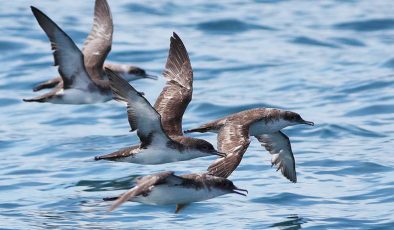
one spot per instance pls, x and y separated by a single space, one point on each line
331 61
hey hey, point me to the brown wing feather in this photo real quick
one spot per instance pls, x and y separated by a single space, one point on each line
233 139
176 95
144 185
278 145
98 43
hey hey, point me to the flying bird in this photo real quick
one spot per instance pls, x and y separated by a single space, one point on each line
263 123
167 188
82 78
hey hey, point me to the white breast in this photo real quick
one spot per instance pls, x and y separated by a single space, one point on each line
164 194
161 155
76 96
261 127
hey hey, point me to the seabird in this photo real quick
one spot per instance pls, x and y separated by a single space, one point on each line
156 146
159 128
167 188
264 124
82 77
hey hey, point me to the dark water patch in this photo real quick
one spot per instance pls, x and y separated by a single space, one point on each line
349 41
138 55
5 144
327 163
389 63
64 121
367 25
342 223
146 9
211 72
26 172
360 86
290 223
34 58
312 42
335 131
229 26
11 46
48 149
372 196
290 199
358 168
4 102
10 205
372 110
335 97
38 65
108 185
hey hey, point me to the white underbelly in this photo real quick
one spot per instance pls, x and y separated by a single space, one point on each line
163 195
77 96
262 127
156 155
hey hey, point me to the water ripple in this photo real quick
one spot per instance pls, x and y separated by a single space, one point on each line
367 25
229 26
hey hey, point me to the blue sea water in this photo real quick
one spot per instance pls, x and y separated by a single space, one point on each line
330 61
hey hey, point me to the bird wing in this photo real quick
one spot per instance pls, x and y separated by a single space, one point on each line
67 56
177 93
145 185
98 44
141 115
278 145
233 139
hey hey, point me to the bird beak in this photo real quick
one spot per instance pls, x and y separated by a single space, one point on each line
308 123
239 191
219 153
153 77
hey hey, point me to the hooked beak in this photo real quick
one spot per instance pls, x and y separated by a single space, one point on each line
239 191
218 153
153 77
308 123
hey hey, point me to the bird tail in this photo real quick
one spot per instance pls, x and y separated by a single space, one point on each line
213 126
47 84
198 130
36 99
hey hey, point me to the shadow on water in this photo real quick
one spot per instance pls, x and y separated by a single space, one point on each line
229 26
290 223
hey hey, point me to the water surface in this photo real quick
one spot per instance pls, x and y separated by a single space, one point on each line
331 61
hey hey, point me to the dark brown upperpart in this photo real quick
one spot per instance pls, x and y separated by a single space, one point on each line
233 139
177 93
246 117
144 185
122 153
99 41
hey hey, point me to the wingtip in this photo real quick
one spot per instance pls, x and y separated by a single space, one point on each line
36 11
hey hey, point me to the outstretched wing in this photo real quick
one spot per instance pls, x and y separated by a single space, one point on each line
278 145
145 185
141 115
233 139
176 95
98 43
66 54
